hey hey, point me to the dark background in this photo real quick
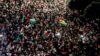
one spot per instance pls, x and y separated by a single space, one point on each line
88 7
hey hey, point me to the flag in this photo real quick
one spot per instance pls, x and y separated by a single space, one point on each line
32 21
46 33
23 19
62 22
19 36
58 34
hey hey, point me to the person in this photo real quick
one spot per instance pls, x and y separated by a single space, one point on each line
46 37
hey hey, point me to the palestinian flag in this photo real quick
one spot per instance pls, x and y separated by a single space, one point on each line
46 33
23 19
19 36
32 21
61 21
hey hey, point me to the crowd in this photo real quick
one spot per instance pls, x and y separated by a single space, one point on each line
46 37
